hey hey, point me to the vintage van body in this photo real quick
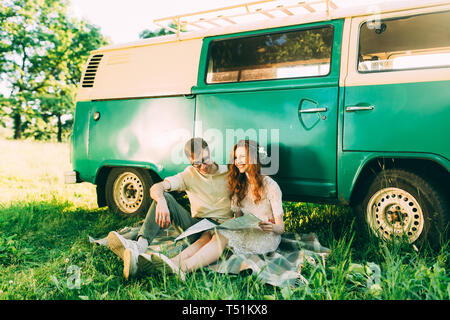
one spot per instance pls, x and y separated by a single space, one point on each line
356 110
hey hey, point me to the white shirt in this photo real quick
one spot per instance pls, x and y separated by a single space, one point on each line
208 193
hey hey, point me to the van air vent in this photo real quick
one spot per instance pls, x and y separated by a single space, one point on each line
91 70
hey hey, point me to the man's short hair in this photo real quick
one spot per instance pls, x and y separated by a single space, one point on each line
194 147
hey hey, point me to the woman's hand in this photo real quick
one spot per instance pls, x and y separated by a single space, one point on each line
269 226
266 226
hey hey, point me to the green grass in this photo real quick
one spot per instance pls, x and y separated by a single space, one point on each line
44 229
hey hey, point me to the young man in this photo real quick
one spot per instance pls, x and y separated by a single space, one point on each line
205 183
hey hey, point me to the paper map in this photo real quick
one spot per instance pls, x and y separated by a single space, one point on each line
246 221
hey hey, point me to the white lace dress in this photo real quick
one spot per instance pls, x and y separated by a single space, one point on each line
255 240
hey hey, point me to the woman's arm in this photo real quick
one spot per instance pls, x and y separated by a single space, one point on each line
276 225
279 225
275 198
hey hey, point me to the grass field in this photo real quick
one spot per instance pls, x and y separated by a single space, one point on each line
45 252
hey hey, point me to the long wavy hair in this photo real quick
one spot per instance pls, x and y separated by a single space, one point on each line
238 182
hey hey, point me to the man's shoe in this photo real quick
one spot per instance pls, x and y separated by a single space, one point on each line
118 244
129 263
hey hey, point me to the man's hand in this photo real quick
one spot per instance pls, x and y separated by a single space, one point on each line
162 217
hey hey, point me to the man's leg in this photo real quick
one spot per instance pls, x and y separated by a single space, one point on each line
179 217
129 250
189 259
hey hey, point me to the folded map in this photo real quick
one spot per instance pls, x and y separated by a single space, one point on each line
246 221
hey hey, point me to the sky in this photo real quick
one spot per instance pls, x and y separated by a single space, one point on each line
123 20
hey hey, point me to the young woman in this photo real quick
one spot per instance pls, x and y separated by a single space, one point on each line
250 192
253 193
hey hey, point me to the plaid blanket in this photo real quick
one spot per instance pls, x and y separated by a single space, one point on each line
279 268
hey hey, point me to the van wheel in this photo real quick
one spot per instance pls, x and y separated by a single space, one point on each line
401 204
127 191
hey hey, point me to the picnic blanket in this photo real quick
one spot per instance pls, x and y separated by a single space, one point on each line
279 268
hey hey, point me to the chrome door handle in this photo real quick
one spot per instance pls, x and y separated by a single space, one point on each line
358 108
313 110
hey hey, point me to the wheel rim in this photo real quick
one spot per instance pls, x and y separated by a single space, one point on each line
393 213
128 192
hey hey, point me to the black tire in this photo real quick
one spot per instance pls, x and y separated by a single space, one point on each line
127 191
400 203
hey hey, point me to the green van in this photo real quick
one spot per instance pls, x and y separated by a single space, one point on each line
351 105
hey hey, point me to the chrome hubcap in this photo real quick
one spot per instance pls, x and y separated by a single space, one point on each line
128 192
393 213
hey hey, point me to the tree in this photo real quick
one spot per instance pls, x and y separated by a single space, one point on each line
147 33
73 44
6 13
42 53
17 20
4 104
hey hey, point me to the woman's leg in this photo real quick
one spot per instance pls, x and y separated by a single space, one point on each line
207 254
193 248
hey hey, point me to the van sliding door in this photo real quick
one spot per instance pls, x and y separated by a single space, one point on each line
279 87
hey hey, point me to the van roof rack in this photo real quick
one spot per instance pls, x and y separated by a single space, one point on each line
272 10
244 13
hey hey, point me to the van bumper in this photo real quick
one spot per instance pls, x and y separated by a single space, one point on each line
71 177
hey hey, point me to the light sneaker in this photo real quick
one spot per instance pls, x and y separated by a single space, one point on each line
118 244
127 250
129 264
157 262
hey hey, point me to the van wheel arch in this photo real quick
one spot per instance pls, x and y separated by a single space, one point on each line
104 184
100 182
423 173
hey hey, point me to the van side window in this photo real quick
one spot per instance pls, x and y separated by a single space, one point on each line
292 54
414 42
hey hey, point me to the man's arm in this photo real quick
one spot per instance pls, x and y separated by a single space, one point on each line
158 189
162 217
